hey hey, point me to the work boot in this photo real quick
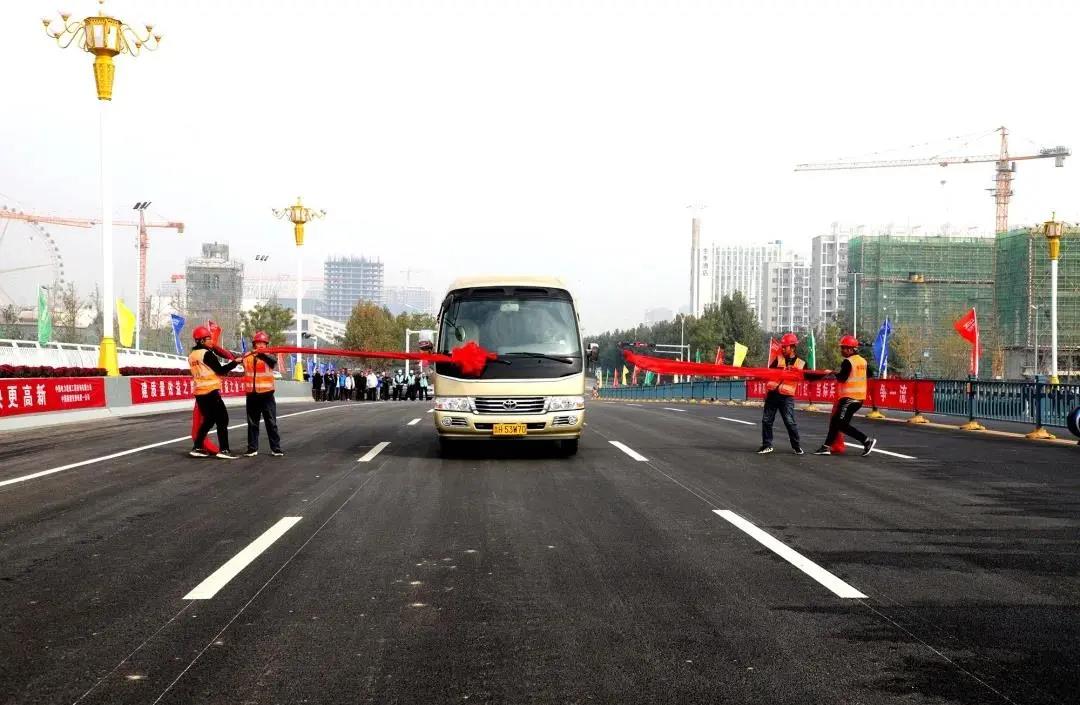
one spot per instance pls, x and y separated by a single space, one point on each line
764 450
823 450
868 447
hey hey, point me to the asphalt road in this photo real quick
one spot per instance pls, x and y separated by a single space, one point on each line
651 572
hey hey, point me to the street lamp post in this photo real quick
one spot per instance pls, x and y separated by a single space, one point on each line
855 305
315 344
298 215
104 37
1053 231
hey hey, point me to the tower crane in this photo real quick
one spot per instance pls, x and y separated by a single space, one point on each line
1005 166
144 241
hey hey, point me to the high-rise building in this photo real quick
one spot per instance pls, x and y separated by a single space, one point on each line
409 299
658 315
1022 305
828 276
738 268
700 269
785 295
348 281
214 286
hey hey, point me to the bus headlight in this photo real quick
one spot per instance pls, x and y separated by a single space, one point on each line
565 403
454 404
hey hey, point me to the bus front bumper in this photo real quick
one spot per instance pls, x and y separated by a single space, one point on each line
556 425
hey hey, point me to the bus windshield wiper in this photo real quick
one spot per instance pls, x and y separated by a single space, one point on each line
566 360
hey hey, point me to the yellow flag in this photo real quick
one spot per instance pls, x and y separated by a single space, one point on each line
624 373
740 355
126 319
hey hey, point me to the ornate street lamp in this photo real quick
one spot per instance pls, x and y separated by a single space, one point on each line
1053 230
104 37
298 214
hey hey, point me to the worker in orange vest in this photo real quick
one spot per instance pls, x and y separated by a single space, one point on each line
850 397
259 384
206 370
780 396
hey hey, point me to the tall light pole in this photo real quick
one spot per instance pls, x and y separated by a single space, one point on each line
1035 308
855 305
104 37
298 215
314 343
1053 231
140 284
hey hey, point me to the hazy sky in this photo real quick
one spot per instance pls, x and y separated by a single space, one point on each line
560 138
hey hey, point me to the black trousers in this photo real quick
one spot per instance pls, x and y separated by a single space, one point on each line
262 405
841 421
786 406
214 413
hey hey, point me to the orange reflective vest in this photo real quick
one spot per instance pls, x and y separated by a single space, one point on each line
258 377
206 380
854 387
786 388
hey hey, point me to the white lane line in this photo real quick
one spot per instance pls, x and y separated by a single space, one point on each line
221 577
833 583
883 452
91 461
629 451
413 422
745 423
633 404
668 408
430 411
370 455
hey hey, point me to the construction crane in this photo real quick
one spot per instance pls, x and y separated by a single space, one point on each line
144 241
1005 167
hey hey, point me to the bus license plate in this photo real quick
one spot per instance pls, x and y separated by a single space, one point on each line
509 429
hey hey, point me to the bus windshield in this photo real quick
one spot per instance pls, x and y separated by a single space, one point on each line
538 328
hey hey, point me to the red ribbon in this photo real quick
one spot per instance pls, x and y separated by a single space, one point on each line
470 358
705 369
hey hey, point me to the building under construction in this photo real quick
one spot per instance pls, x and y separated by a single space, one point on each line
922 284
1022 303
215 289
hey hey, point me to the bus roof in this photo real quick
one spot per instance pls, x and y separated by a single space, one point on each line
507 280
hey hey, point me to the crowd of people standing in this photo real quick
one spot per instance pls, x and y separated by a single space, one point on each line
368 385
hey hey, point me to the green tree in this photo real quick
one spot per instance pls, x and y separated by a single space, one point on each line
69 304
906 345
9 318
372 327
708 332
740 323
271 318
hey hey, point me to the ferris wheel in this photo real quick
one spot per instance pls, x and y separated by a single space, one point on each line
29 258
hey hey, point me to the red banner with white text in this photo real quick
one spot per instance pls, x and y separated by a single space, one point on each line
900 394
34 395
149 390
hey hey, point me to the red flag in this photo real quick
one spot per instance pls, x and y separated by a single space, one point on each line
968 328
719 356
774 351
215 334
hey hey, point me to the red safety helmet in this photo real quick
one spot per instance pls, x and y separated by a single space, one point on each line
201 332
789 339
261 337
849 341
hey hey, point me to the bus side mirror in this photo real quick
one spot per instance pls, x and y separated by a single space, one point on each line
427 340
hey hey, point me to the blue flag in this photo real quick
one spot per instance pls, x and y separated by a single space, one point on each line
310 367
243 344
881 349
177 326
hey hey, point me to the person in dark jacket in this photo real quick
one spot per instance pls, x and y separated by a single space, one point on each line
316 385
206 370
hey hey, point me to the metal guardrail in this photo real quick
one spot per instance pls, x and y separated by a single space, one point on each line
1037 403
29 352
719 390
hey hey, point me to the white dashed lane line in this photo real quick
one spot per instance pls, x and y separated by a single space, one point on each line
221 577
413 422
668 408
370 455
745 423
629 451
833 583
